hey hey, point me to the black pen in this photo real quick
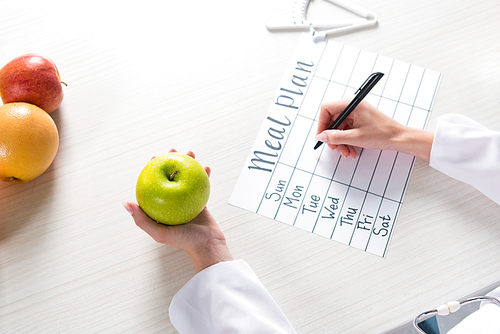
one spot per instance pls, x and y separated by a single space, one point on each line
360 94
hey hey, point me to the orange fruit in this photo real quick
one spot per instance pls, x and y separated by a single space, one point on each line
28 142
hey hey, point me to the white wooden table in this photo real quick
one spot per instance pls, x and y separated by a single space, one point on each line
147 76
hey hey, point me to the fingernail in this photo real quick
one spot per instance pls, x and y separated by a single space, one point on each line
128 207
322 137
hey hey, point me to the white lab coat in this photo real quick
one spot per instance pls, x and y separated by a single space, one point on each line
470 152
229 298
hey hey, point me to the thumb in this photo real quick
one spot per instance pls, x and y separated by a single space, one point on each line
157 231
336 137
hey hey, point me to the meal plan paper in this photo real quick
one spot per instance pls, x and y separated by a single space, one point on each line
355 202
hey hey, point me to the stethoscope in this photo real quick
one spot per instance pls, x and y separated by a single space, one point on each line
448 308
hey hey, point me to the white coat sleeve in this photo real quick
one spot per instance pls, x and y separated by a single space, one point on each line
227 298
468 152
484 321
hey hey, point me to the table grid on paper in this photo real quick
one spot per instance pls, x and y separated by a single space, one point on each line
352 201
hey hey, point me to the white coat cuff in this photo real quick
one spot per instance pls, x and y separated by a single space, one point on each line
227 298
469 152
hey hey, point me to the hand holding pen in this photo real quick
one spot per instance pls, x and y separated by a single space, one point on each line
360 94
370 128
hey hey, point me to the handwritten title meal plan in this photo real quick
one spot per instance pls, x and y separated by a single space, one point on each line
352 201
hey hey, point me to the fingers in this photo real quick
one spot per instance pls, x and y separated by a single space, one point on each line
344 150
155 230
329 112
192 155
338 140
337 137
352 152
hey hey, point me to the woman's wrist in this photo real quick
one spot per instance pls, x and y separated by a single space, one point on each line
212 253
415 142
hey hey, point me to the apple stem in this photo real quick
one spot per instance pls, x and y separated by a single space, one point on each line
172 175
64 83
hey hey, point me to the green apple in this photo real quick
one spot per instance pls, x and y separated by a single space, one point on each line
173 189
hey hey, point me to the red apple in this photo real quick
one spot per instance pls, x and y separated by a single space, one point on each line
32 79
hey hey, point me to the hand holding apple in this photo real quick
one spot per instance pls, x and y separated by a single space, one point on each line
32 79
201 238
